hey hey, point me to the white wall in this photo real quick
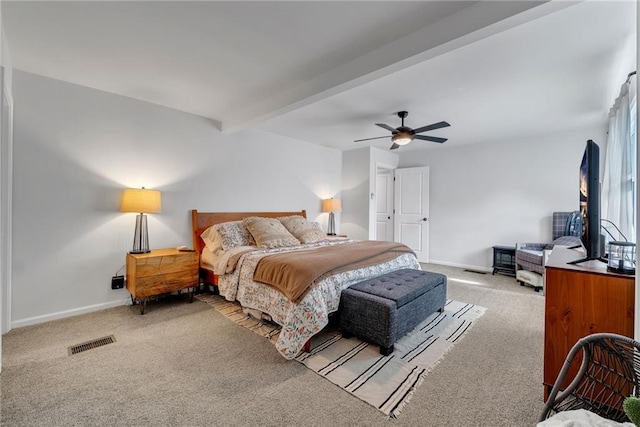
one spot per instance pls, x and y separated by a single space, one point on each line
76 149
499 194
355 193
6 149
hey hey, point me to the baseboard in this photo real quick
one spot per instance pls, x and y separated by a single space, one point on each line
463 266
67 313
88 309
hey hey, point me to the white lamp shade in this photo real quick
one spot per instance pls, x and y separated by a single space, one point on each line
141 201
331 205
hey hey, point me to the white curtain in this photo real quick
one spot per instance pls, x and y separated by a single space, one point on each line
619 181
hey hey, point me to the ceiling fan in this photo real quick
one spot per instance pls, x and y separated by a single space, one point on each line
404 135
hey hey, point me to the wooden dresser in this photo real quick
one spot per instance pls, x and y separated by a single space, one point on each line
160 271
581 300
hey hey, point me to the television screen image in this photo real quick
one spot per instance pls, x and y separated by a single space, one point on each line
584 186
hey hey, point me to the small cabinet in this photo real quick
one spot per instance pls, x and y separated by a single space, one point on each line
159 272
580 300
504 260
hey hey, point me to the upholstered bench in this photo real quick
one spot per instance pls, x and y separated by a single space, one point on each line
383 309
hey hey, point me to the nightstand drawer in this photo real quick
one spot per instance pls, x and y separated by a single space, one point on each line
165 264
163 283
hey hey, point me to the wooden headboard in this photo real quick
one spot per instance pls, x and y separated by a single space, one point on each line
200 221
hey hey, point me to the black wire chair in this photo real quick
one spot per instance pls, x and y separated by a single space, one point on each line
609 372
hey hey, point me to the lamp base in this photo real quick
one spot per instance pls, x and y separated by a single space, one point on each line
141 236
331 229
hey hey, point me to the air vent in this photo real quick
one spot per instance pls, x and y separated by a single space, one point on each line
79 348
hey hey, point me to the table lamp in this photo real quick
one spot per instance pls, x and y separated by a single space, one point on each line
331 205
141 201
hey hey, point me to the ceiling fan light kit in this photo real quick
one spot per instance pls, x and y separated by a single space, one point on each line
402 138
404 135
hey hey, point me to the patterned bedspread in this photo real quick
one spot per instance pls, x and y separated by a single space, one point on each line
299 321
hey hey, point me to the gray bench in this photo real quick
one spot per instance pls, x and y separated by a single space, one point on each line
383 309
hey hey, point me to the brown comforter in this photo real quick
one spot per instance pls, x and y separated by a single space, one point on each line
293 273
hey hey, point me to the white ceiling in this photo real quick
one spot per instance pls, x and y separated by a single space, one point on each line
325 72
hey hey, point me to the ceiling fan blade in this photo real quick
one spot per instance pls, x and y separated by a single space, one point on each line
369 139
387 127
394 146
432 127
429 138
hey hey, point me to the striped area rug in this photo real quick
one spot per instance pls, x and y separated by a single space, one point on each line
385 382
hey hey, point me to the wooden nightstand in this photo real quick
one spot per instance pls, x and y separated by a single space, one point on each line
159 272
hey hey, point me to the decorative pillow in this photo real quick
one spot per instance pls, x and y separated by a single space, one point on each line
303 230
269 232
565 241
212 239
234 233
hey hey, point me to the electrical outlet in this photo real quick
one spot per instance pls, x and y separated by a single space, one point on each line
117 282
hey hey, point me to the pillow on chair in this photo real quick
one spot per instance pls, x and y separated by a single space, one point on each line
565 241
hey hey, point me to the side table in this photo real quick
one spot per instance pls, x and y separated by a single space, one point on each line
159 272
504 260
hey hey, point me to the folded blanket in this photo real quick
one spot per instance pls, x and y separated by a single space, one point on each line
293 273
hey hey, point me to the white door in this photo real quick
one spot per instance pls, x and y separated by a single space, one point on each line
384 205
411 225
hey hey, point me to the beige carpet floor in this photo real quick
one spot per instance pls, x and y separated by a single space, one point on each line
385 382
187 365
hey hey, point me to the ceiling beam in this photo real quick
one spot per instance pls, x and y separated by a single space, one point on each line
476 22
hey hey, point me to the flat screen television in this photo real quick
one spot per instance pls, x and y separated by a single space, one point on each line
590 201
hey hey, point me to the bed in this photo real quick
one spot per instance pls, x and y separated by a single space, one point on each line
300 314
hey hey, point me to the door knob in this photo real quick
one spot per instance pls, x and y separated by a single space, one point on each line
388 217
424 219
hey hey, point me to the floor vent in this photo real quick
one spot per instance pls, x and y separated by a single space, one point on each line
79 348
475 271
